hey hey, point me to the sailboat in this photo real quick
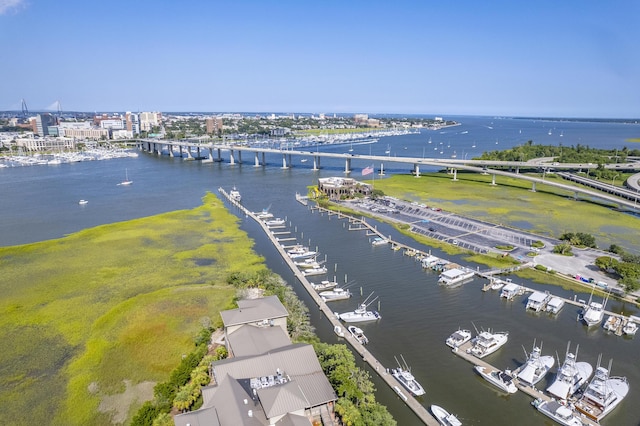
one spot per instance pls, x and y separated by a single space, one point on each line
126 180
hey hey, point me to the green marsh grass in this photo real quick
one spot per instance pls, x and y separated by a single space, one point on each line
548 211
107 304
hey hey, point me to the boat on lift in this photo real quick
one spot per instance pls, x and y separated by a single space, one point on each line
570 376
500 379
603 393
536 366
361 314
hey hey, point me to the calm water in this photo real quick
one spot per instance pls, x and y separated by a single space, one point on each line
41 202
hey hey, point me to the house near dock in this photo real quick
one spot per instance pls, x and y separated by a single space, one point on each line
337 188
455 276
511 290
266 380
538 300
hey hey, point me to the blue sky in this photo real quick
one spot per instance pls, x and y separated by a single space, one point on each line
543 58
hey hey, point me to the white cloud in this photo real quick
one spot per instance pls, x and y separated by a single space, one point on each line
7 6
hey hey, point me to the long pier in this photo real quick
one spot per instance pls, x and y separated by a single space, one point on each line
420 411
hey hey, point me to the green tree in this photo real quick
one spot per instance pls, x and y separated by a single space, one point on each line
564 248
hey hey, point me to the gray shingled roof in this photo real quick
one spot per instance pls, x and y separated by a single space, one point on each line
202 417
249 340
293 420
282 399
298 361
253 310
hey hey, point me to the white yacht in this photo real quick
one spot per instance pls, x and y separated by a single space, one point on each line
500 379
487 343
536 367
458 338
554 305
404 376
300 252
308 263
377 241
358 334
613 323
235 194
338 330
557 412
593 313
571 376
324 285
314 271
82 202
631 326
444 417
603 394
361 313
274 222
337 293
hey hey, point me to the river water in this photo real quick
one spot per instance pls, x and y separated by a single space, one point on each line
41 202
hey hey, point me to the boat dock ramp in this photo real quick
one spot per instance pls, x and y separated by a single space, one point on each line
421 412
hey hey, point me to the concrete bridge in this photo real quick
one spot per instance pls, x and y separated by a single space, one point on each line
194 150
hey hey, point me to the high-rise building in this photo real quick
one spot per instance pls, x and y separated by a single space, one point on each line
42 123
214 125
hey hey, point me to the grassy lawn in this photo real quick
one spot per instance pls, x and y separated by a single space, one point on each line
548 211
83 313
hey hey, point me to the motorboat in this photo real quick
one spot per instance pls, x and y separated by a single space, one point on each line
406 379
324 285
500 379
554 305
631 326
496 284
308 263
299 252
557 412
603 393
337 293
487 343
235 194
571 376
613 323
538 300
82 202
377 241
264 214
458 338
358 334
593 312
536 367
361 314
444 417
338 330
314 271
275 222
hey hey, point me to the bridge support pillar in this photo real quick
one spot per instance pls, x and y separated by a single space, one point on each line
533 187
264 159
416 170
455 174
518 170
381 169
232 158
219 155
198 152
170 148
239 157
493 179
316 162
256 159
180 150
284 161
210 155
347 166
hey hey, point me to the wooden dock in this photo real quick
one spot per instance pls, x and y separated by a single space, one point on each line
420 411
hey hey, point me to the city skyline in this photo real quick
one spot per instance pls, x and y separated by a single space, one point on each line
570 59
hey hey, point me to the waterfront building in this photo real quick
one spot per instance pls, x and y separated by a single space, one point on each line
42 122
266 380
148 120
339 187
